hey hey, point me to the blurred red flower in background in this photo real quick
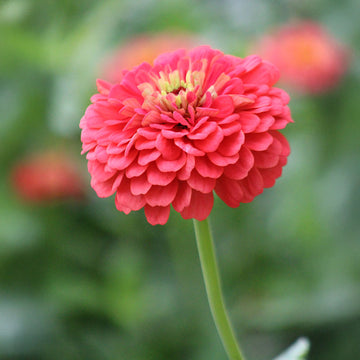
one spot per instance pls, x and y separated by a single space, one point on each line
194 123
310 59
47 176
142 48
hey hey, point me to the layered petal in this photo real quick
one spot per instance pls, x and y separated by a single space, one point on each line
200 206
191 124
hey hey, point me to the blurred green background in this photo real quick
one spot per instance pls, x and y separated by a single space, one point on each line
79 280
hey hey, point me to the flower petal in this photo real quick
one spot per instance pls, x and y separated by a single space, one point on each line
135 169
266 121
183 197
263 73
147 156
168 149
270 175
225 105
265 159
286 147
139 185
253 184
221 160
249 122
162 195
231 144
157 215
200 183
211 143
125 201
242 167
203 131
258 141
120 162
229 191
188 147
171 165
186 170
200 206
157 177
206 168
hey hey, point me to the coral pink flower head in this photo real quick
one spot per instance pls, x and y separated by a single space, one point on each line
47 176
190 125
310 60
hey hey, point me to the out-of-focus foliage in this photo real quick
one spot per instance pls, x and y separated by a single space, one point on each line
79 280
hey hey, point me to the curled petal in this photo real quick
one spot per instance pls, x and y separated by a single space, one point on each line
139 185
206 168
266 121
265 159
174 133
120 162
241 168
225 105
125 201
249 122
253 184
97 170
204 131
230 128
161 195
200 183
147 156
211 143
221 160
171 165
183 196
186 170
188 147
231 144
229 191
258 141
142 143
200 206
168 149
135 170
263 73
103 188
157 177
270 175
285 145
234 86
148 133
157 215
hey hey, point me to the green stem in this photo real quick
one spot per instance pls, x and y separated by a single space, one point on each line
211 276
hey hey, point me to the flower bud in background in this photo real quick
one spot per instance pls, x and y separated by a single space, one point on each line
192 124
142 48
309 58
47 176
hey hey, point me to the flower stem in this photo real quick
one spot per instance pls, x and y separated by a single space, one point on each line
211 276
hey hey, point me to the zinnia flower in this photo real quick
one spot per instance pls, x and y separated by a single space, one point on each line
191 124
310 59
142 48
47 176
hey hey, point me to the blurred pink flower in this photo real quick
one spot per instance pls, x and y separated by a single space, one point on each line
47 176
309 59
194 123
142 48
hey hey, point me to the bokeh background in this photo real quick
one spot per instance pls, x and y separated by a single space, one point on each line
79 280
